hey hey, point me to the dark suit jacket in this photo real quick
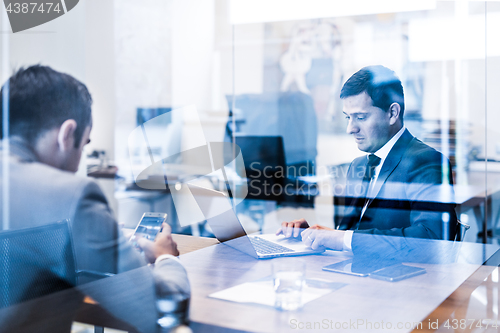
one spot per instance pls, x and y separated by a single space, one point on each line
412 197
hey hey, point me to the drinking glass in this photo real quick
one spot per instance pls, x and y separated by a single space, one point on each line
288 278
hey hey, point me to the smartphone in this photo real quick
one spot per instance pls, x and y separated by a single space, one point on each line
397 273
352 268
149 226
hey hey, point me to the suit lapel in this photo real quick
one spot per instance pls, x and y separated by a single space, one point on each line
391 162
355 179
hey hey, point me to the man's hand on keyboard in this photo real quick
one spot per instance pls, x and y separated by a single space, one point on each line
324 237
296 227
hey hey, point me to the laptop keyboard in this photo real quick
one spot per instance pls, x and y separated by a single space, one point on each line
266 247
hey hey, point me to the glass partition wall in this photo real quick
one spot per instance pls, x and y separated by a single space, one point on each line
243 97
166 79
253 72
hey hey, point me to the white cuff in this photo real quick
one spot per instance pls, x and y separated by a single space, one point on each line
348 240
165 257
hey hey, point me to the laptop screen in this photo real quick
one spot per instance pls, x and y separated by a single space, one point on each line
221 218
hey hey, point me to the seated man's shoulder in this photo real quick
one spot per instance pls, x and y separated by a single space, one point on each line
45 194
361 160
53 179
420 152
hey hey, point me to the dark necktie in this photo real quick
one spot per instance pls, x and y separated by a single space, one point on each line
373 162
360 202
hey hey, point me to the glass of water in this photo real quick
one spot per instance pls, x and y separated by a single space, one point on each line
174 313
288 278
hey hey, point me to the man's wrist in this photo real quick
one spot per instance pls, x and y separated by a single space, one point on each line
348 240
165 257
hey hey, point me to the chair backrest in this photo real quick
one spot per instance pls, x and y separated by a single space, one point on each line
35 262
265 165
290 115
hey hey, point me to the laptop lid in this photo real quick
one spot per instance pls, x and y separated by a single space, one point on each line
227 228
221 218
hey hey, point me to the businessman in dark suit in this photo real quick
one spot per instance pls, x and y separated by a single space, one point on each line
402 187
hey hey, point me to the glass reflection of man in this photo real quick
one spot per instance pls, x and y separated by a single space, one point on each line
401 188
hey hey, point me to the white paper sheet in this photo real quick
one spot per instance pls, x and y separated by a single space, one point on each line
262 291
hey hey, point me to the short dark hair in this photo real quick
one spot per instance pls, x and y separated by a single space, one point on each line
41 99
380 83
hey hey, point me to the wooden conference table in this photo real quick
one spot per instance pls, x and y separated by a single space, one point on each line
431 297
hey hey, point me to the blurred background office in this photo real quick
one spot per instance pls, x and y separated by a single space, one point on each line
270 72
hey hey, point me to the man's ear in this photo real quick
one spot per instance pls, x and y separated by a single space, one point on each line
394 111
66 135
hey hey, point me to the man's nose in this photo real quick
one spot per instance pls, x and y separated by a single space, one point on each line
352 127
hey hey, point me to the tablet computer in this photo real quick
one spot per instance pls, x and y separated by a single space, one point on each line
397 273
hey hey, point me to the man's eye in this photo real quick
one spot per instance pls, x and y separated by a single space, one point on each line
360 118
347 117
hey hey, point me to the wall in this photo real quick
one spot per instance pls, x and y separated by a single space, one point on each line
142 47
78 43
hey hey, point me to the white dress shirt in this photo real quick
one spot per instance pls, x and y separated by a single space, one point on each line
382 153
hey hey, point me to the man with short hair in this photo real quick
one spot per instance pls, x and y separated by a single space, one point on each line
402 187
50 123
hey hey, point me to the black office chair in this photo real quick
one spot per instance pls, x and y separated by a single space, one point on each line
35 262
269 177
37 279
264 158
37 276
290 115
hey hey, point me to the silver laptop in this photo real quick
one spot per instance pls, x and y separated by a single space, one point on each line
225 225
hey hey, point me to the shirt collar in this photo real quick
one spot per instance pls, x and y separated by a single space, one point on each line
383 152
21 149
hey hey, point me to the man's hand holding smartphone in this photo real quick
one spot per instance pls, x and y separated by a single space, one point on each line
163 244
